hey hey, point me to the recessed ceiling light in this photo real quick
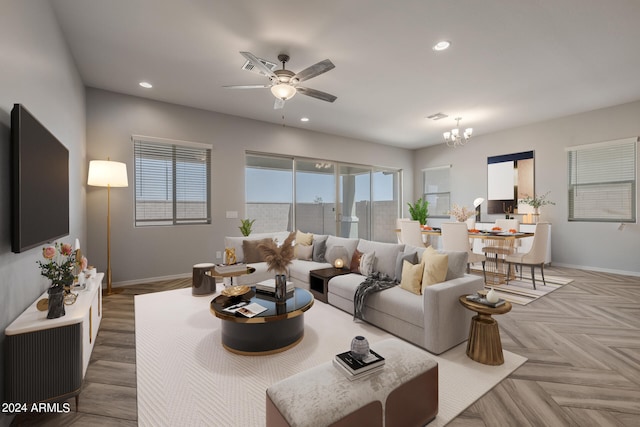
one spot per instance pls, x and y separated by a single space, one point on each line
146 85
304 119
441 45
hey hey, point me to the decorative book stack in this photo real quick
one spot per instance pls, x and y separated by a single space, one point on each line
269 287
230 268
354 369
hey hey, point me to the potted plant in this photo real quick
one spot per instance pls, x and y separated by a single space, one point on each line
536 202
419 211
277 259
245 226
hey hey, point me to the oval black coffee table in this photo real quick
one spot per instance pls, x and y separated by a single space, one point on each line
278 328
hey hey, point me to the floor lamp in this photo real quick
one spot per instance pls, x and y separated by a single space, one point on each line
105 173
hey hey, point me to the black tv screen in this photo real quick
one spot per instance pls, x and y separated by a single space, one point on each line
39 183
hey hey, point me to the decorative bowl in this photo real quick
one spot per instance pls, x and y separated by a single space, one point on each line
235 291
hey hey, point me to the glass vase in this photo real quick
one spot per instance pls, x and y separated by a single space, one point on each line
56 302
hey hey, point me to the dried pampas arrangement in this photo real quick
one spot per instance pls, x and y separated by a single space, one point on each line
277 258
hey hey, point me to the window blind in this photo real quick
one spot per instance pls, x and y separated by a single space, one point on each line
602 181
172 180
437 190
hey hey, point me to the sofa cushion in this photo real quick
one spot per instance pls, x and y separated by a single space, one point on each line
354 266
251 251
394 301
457 265
319 248
412 257
457 261
261 273
299 269
304 252
412 277
435 267
236 242
366 263
348 244
305 239
386 254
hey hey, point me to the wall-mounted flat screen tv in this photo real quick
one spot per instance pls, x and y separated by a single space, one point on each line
39 183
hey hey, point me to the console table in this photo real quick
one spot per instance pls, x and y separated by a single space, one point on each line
46 359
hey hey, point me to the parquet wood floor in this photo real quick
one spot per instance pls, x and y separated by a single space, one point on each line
582 341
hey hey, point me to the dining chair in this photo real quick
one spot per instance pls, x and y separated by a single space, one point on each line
536 256
455 237
410 233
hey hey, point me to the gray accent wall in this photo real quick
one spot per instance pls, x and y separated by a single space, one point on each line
143 253
37 71
588 245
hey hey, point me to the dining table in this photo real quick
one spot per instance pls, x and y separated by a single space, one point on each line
498 243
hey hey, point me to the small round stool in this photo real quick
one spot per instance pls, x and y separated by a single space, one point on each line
203 283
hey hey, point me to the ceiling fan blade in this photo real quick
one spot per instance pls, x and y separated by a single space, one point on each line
314 70
316 94
247 86
279 104
256 62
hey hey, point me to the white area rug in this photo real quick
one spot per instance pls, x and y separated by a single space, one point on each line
186 378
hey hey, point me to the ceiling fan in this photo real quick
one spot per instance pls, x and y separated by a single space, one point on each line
284 83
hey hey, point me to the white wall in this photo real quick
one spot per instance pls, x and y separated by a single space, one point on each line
37 71
149 252
597 246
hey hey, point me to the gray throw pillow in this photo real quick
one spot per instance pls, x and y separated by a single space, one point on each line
411 257
319 248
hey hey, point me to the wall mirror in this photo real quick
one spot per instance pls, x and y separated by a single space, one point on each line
510 177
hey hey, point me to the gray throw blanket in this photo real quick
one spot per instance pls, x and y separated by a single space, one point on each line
375 283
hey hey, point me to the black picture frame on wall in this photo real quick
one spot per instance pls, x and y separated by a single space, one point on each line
510 177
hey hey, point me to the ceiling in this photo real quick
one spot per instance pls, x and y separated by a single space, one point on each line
510 62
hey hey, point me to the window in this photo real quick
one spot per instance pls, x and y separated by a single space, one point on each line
437 190
602 181
323 197
172 182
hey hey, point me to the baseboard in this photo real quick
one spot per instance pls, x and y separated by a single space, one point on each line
599 269
150 280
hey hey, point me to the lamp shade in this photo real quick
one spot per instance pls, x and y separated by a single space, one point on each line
105 173
283 91
477 202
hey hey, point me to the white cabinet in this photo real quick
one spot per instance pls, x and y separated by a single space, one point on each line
46 359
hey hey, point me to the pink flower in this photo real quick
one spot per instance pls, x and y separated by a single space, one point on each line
48 252
66 249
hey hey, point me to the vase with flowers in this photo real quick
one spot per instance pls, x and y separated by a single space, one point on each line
461 213
277 259
536 202
61 266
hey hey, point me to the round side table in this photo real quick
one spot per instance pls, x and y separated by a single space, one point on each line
484 344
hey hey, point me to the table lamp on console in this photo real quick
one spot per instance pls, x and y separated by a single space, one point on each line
105 173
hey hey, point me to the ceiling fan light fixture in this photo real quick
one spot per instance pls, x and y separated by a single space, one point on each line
283 91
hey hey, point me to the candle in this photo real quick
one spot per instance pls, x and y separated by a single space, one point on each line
338 263
77 246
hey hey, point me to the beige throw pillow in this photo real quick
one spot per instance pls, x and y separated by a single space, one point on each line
304 239
435 267
304 252
411 277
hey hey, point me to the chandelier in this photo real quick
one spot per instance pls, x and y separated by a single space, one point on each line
453 138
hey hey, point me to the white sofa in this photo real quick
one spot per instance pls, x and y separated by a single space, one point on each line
434 320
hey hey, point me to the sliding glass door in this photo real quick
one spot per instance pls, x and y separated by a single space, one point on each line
315 206
321 197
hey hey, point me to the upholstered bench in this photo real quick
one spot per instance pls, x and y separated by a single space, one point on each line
403 393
